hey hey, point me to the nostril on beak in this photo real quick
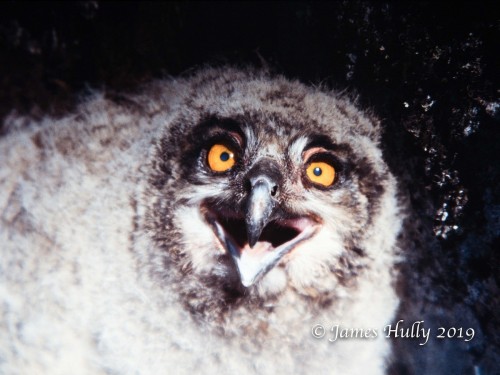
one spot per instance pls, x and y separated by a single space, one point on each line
274 190
271 186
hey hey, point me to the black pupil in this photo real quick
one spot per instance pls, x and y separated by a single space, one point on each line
317 171
224 156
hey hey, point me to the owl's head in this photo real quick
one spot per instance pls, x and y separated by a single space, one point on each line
263 186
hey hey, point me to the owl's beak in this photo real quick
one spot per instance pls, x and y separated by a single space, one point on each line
260 206
261 237
254 263
277 239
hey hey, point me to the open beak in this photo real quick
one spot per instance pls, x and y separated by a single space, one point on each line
259 241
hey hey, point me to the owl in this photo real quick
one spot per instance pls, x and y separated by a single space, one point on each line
229 221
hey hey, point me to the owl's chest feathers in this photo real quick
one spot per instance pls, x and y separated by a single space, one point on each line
232 314
277 330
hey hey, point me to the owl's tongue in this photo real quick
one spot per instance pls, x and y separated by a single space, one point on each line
258 250
255 261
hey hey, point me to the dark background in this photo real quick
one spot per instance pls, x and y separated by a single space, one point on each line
428 69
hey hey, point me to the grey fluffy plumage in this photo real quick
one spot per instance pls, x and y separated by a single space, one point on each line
109 264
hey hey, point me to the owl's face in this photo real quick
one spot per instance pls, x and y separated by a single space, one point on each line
265 187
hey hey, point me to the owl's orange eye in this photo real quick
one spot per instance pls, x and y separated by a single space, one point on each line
220 158
321 173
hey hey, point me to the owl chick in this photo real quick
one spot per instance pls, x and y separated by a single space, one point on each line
208 223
